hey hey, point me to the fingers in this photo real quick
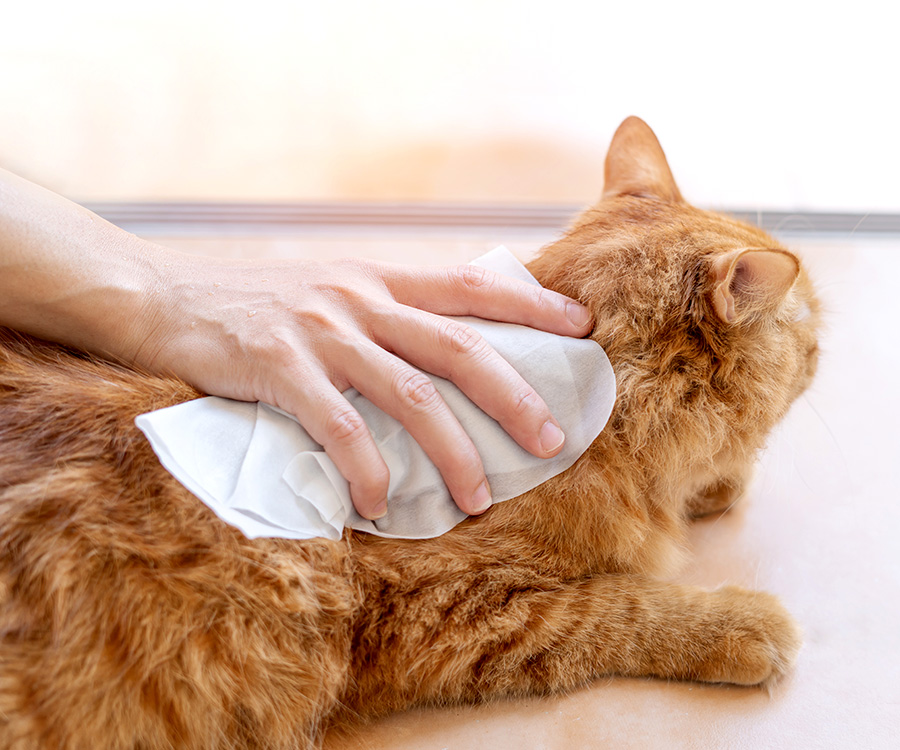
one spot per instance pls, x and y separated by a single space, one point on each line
410 396
471 290
345 325
454 351
333 423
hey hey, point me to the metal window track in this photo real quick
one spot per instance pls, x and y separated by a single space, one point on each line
290 218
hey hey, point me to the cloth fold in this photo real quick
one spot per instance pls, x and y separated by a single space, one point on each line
259 470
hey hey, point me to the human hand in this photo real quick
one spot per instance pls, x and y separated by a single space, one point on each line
295 334
290 333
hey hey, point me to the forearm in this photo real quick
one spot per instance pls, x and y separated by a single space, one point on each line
67 275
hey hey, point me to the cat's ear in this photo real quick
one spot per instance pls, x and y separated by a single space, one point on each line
636 165
751 281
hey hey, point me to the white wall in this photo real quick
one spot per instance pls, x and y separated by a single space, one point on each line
770 105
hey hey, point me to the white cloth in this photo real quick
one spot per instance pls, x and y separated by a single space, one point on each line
259 470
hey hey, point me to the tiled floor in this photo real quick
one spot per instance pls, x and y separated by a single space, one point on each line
821 528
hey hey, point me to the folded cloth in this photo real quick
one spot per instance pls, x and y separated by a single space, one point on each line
259 470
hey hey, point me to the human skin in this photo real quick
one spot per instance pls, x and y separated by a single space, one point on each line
291 333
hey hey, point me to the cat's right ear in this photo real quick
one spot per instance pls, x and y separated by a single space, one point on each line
751 281
636 165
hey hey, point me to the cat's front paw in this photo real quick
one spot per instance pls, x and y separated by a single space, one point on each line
752 638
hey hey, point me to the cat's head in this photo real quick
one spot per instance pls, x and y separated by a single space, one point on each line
710 324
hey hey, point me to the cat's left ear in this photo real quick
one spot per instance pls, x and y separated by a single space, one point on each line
748 281
636 165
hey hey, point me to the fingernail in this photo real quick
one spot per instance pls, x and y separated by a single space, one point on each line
551 436
379 511
481 500
578 314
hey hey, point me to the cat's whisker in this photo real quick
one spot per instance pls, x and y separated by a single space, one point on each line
859 223
834 439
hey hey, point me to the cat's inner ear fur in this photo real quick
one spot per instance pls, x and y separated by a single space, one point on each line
751 281
636 165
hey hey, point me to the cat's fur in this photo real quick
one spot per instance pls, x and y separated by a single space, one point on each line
131 617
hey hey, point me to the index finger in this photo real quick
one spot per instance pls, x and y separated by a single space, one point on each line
476 291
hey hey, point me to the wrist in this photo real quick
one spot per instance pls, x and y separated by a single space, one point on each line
153 296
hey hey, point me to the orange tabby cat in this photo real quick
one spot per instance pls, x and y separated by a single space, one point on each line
131 617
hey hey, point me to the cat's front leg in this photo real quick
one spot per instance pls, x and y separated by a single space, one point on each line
488 638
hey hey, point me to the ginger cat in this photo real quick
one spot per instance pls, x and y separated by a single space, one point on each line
131 617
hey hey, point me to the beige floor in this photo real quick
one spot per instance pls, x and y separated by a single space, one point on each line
821 528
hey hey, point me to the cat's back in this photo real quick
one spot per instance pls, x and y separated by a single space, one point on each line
112 574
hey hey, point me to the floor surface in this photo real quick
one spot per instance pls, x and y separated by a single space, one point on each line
820 528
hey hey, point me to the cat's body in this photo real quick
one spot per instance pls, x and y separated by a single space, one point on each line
130 617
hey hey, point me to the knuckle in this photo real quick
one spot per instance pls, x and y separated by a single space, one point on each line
355 265
545 299
277 346
345 426
474 278
468 464
524 402
416 391
549 302
462 339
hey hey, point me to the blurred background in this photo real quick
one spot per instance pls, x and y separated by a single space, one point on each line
770 105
